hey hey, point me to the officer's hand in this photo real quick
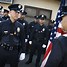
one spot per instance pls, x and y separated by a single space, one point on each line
22 56
30 42
44 46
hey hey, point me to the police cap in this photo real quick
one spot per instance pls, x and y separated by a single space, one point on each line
36 17
23 12
5 10
15 7
42 17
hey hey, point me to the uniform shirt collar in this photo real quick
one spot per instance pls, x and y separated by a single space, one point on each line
65 35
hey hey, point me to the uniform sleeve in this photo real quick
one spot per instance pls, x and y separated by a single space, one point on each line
46 36
56 55
22 43
26 30
31 36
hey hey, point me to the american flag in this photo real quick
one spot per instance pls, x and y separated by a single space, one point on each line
56 32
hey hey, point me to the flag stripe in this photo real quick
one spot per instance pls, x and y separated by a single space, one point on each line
56 30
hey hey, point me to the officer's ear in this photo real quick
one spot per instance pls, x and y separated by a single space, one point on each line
9 12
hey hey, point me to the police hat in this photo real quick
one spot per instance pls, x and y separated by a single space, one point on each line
23 12
1 8
42 17
16 7
5 10
36 17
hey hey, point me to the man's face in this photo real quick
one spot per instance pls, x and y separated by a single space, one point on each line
36 20
41 21
14 14
19 15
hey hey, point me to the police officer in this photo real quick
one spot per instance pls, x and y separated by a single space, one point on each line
50 27
58 55
33 23
37 39
22 20
30 29
5 14
11 38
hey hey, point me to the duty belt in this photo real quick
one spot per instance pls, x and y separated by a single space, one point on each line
8 47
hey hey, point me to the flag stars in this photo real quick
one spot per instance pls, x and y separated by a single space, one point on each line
50 38
55 28
59 16
51 33
58 21
54 32
54 22
58 11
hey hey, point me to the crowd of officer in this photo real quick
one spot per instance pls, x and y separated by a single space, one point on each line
17 35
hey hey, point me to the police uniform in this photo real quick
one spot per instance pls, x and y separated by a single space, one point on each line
11 38
32 24
5 17
50 28
30 29
38 38
25 25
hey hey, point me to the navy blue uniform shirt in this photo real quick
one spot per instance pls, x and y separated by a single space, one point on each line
58 56
11 33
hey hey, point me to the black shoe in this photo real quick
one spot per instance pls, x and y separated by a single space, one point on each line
28 62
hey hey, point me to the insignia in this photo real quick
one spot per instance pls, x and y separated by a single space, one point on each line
22 11
11 33
42 15
2 10
5 32
14 32
32 26
19 6
43 29
18 29
23 23
0 21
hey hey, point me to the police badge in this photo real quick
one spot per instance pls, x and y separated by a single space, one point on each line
23 24
43 29
18 29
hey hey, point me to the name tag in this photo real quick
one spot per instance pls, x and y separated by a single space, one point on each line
5 32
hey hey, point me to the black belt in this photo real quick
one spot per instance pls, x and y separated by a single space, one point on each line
8 47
